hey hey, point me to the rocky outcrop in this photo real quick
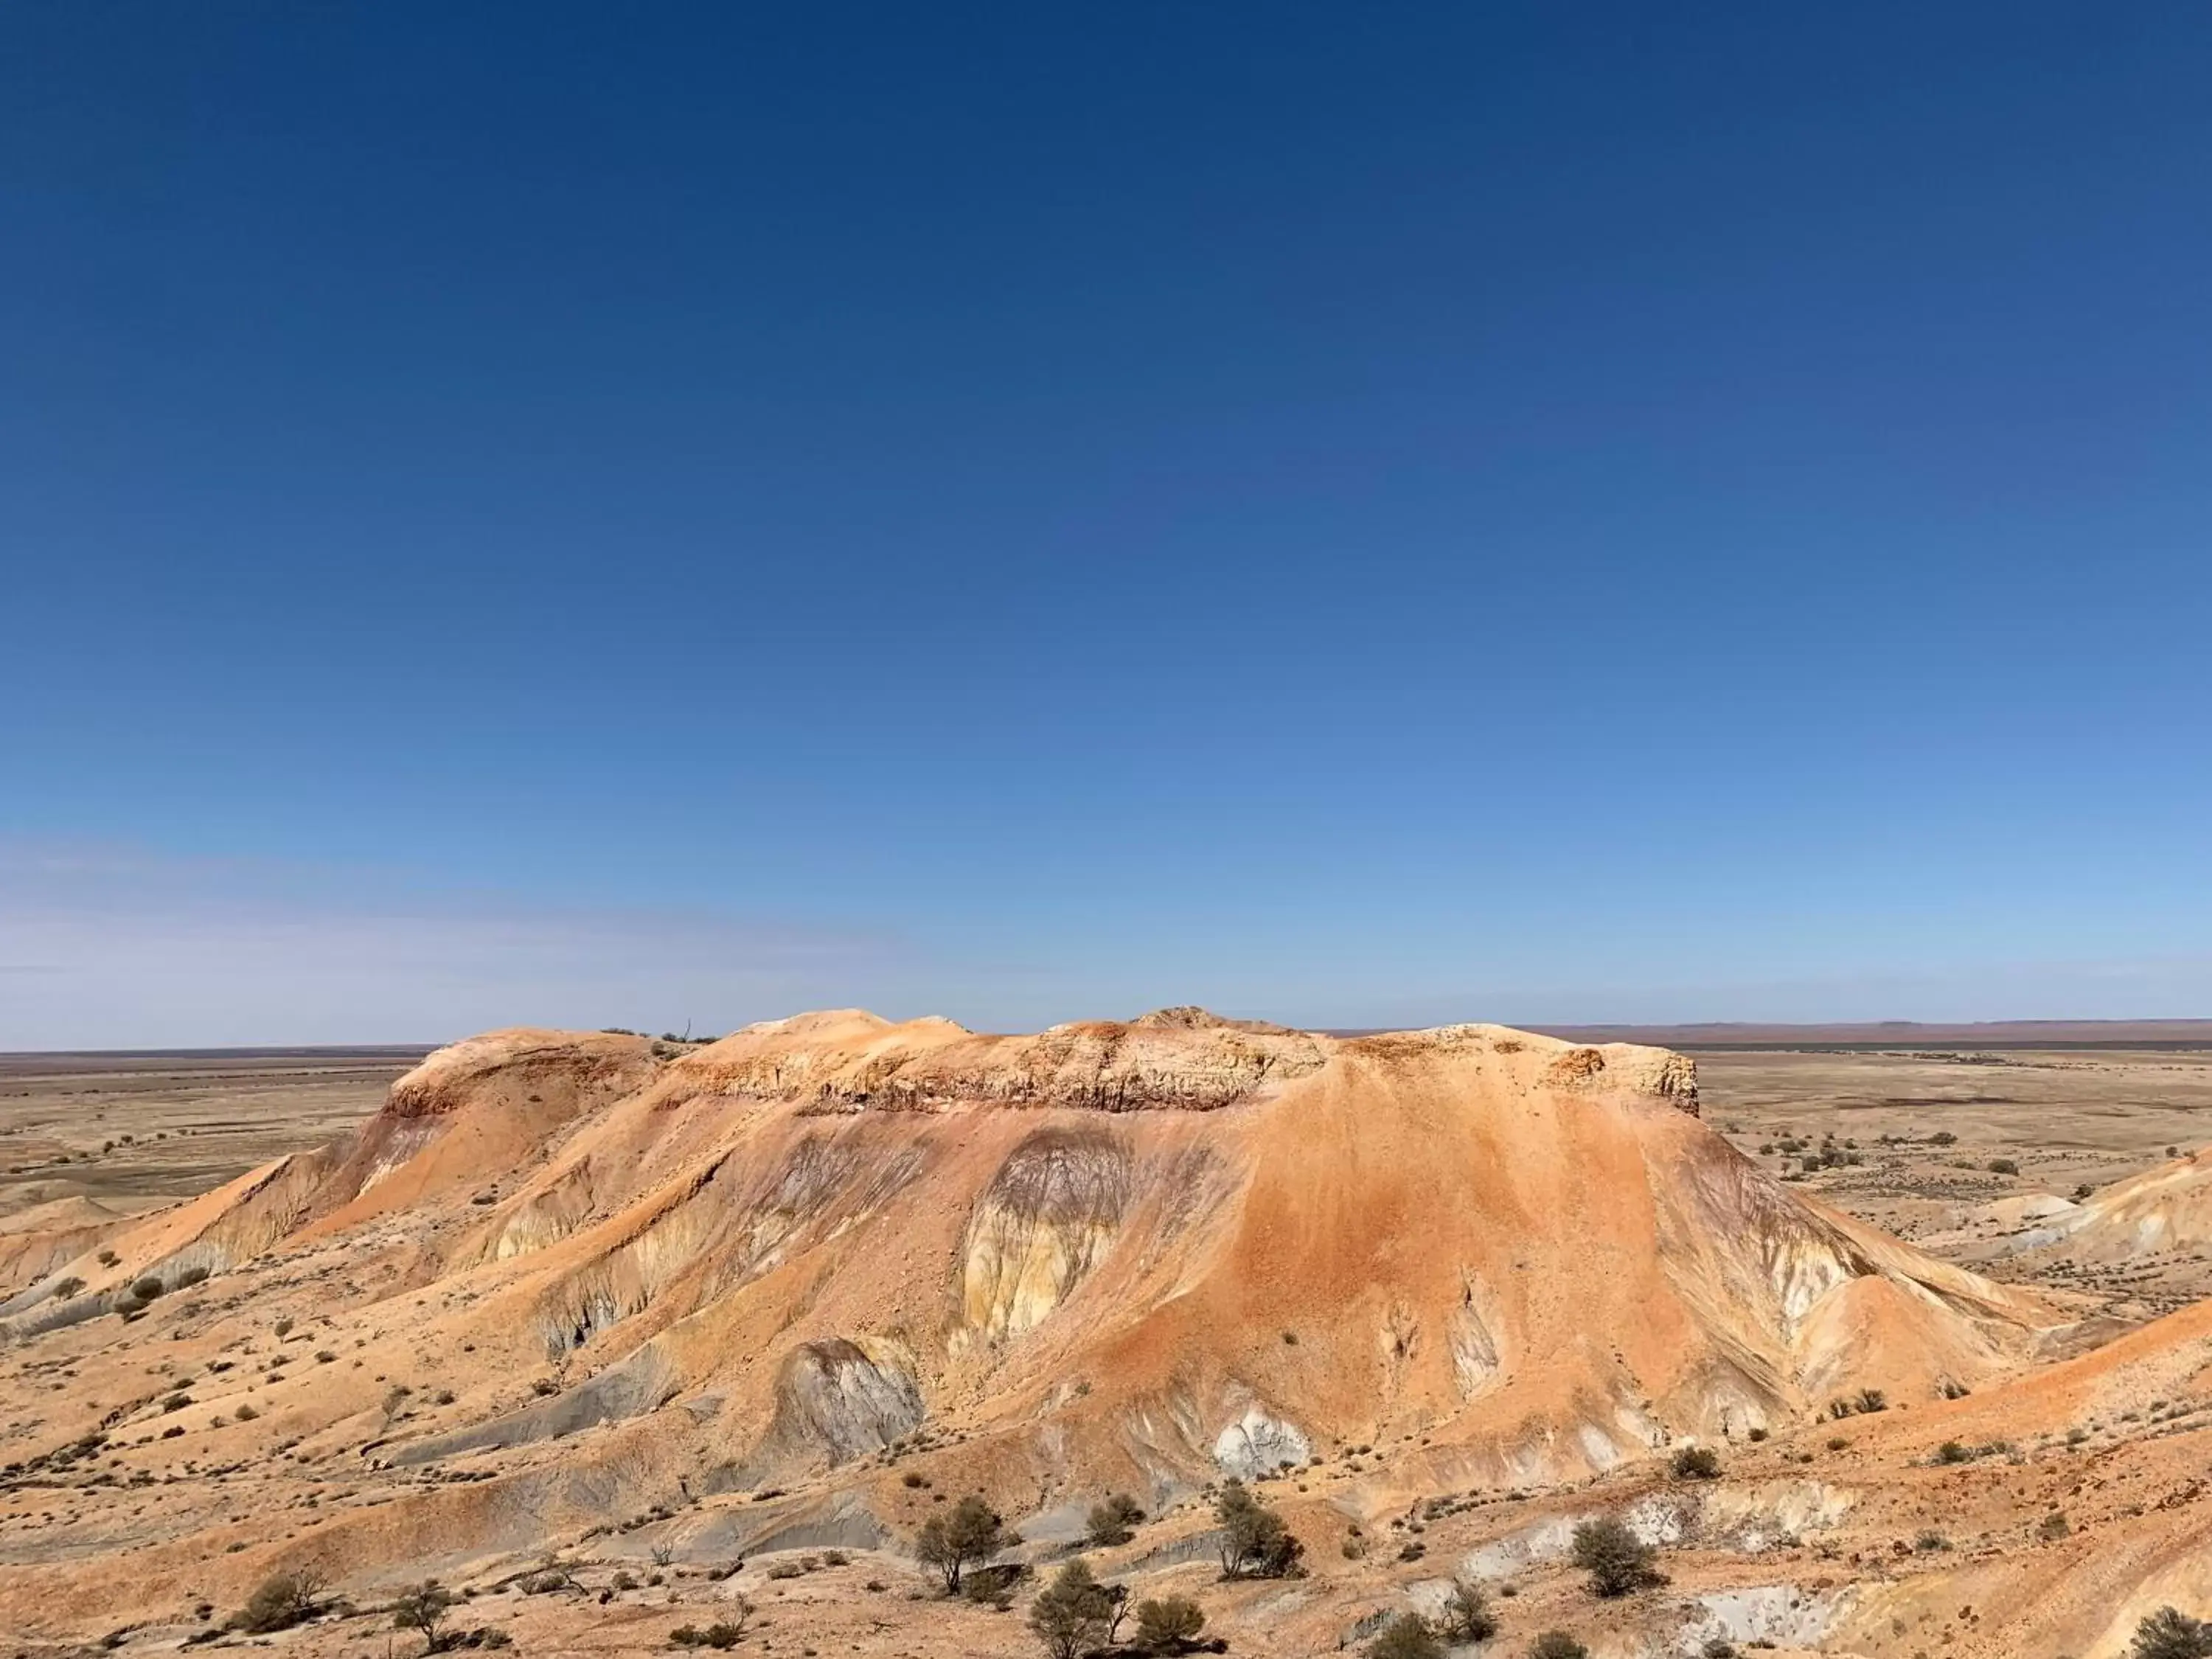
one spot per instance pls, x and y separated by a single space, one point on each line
1049 1217
1260 1443
1160 1063
842 1398
580 1068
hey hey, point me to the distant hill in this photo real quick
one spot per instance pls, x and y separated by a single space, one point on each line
1905 1034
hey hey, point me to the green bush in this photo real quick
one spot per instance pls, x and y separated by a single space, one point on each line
1467 1615
1696 1463
1113 1522
1255 1543
1406 1636
1617 1561
2170 1633
280 1602
969 1534
1075 1613
1169 1624
1556 1644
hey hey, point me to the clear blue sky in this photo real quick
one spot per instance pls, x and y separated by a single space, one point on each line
1355 514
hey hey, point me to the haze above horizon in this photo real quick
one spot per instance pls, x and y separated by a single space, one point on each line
1356 519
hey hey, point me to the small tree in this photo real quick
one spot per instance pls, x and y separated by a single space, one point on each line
1168 1624
422 1608
281 1602
1617 1560
1467 1615
2170 1633
1113 1522
1255 1543
968 1535
1406 1636
1696 1463
1073 1613
1556 1644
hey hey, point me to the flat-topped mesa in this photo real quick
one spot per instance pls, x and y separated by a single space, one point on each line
521 1059
1178 1060
1181 1059
1547 1061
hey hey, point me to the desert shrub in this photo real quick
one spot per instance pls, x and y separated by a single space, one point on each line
1073 1613
993 1586
280 1602
912 1481
1255 1543
2169 1633
1931 1541
1756 1435
1169 1624
422 1608
1617 1560
832 1559
282 1329
1863 1400
1942 1138
624 1580
1113 1522
1467 1614
1556 1644
109 1259
247 1413
722 1633
970 1533
2054 1525
176 1402
1696 1463
146 1288
191 1276
2003 1166
783 1570
1718 1647
1952 1452
1406 1636
65 1288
